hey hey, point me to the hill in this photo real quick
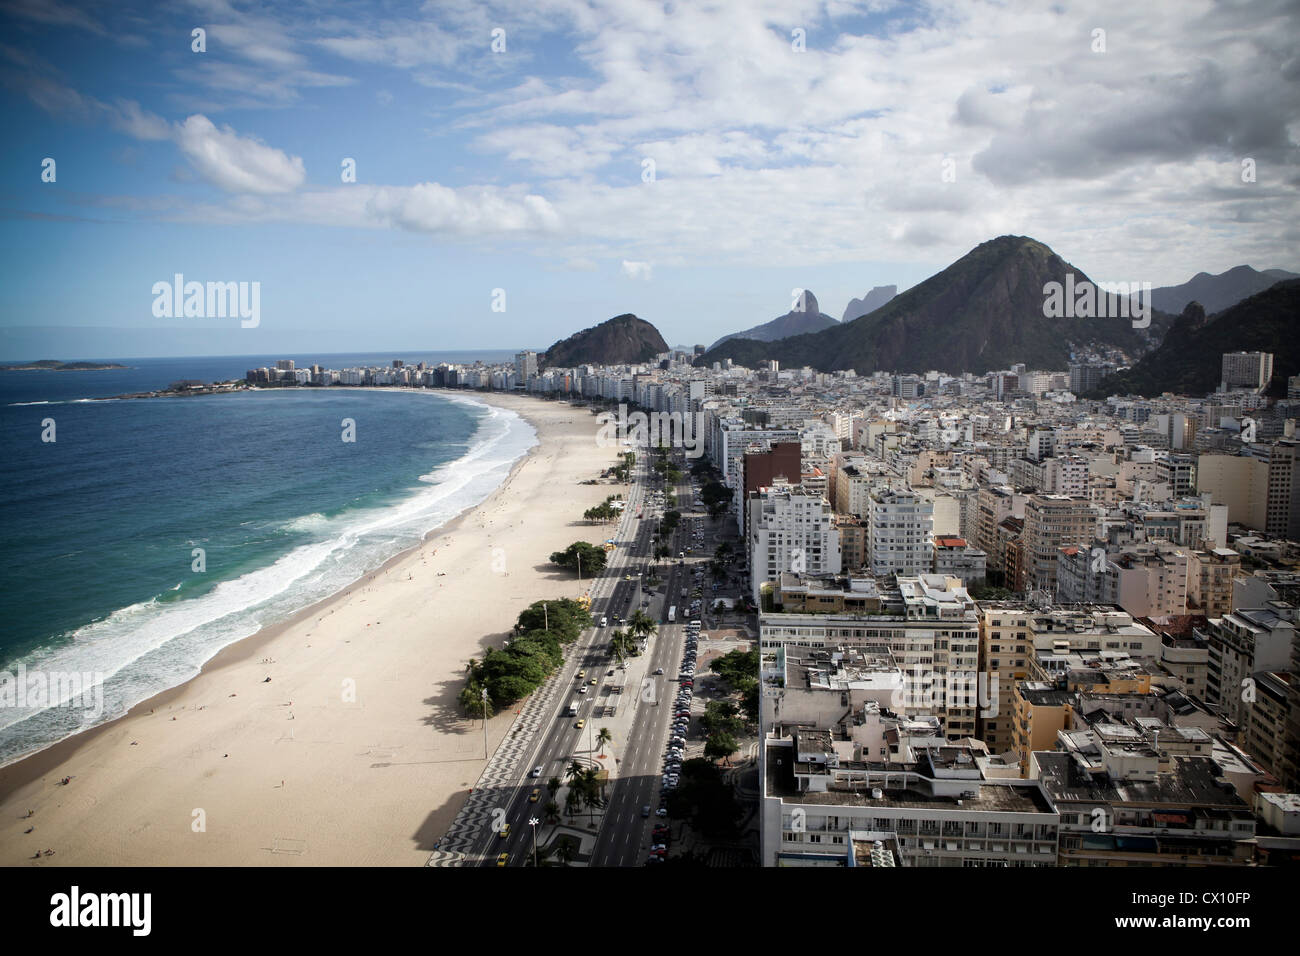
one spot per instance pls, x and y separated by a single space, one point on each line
873 300
986 311
1190 359
809 318
1216 293
624 339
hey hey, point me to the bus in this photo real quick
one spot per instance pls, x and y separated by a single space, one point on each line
672 614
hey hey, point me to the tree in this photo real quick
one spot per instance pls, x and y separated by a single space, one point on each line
721 745
641 624
471 701
603 738
564 851
553 786
573 773
552 810
591 558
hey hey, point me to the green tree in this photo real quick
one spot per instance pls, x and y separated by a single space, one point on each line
720 745
602 738
581 553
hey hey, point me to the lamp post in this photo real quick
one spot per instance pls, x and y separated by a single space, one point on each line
485 739
532 822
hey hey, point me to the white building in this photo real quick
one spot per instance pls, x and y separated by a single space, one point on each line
900 525
790 531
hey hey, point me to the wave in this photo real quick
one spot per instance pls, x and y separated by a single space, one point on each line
140 650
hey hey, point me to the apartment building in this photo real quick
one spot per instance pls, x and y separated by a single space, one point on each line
1014 633
899 533
1242 643
948 809
1118 808
1052 521
1209 581
790 531
1251 370
930 626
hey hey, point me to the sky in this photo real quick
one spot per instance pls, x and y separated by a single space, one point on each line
524 170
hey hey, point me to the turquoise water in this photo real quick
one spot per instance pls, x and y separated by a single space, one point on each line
101 525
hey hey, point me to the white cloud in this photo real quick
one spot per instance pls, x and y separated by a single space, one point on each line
235 163
637 270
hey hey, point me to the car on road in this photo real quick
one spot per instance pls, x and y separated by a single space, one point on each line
537 771
503 859
504 832
580 724
592 682
582 690
582 675
645 810
535 795
659 670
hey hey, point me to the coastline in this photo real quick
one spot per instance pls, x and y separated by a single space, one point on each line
92 758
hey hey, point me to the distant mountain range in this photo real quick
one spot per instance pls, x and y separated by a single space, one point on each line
806 316
985 311
1189 360
1216 293
873 300
624 339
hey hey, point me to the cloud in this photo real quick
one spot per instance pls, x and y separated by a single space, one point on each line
237 163
637 270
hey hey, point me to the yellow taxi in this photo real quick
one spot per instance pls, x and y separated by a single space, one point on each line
535 795
504 831
580 724
592 682
503 859
581 674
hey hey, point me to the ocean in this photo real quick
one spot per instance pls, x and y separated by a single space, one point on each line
154 532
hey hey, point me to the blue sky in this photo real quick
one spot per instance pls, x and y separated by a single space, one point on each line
775 167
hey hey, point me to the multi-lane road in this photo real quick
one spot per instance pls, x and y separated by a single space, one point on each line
558 741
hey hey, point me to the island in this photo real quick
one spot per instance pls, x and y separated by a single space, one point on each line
50 365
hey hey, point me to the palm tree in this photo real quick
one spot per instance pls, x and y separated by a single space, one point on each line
641 625
553 786
603 738
574 773
564 852
552 810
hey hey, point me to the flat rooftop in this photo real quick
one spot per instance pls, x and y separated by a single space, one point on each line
991 797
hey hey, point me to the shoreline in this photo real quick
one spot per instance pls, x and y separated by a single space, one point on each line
36 768
240 649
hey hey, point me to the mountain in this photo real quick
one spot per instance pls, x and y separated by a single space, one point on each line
1216 293
986 311
809 318
873 300
1190 359
622 340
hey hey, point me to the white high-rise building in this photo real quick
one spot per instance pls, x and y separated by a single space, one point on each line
525 365
790 531
901 523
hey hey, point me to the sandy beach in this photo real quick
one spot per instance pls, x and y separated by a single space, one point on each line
354 752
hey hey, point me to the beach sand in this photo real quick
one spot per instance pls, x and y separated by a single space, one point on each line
354 752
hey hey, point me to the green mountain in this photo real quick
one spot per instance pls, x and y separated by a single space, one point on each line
807 316
986 311
1190 359
1216 293
624 339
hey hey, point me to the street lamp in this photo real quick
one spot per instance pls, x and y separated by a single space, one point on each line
532 822
485 739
